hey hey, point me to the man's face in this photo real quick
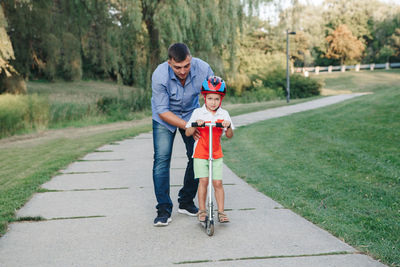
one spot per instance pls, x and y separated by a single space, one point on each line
181 69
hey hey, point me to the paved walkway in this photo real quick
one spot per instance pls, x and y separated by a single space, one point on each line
100 212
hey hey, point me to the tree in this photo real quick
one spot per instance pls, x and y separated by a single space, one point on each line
27 29
122 40
6 50
344 46
385 53
353 13
395 42
10 81
301 53
307 22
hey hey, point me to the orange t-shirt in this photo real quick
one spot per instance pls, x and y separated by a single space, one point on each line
201 150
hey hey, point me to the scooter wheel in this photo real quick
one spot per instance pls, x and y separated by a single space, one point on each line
210 228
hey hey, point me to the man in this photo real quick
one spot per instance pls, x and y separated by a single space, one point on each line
176 85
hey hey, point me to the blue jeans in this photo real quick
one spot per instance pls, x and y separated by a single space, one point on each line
163 140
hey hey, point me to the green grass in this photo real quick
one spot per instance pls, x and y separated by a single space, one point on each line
77 92
363 81
238 109
337 166
74 104
23 168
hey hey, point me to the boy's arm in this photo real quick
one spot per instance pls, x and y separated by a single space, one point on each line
229 132
227 123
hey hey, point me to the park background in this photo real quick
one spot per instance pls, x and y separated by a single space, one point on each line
86 62
121 42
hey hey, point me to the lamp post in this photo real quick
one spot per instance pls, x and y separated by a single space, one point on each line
287 66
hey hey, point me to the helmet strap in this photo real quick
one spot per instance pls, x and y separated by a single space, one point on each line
220 103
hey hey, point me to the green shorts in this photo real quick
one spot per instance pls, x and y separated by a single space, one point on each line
201 168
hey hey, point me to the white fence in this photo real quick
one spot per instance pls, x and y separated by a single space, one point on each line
316 70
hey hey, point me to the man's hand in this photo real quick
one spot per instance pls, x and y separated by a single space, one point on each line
196 135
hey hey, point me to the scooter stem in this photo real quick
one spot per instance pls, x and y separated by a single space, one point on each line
210 171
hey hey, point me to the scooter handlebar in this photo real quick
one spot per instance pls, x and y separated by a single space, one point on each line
217 124
195 124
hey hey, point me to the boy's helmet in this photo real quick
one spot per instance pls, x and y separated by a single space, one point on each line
213 85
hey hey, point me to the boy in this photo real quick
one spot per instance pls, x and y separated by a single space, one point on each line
213 90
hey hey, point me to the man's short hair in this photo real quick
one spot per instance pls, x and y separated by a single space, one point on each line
178 52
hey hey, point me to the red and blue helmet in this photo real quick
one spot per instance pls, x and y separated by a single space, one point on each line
213 85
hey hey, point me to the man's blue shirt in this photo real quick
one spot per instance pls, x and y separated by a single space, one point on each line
168 94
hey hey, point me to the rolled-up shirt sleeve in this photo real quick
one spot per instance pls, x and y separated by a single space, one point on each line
160 97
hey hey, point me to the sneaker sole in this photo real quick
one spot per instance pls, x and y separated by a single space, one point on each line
160 224
187 213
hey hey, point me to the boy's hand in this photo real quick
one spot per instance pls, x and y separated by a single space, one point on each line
200 122
226 124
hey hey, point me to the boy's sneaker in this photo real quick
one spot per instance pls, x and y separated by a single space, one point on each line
163 218
188 209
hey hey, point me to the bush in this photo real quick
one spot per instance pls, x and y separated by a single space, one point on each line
38 111
258 93
66 112
300 86
12 114
273 85
12 85
254 64
121 106
20 112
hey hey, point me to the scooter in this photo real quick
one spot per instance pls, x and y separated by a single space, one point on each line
208 224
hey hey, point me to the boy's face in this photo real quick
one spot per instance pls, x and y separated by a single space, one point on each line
213 101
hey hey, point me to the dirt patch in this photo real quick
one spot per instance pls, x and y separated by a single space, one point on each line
326 92
70 133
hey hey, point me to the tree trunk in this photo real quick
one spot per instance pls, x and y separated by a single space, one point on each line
148 12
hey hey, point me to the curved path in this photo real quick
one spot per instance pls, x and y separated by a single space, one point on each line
99 212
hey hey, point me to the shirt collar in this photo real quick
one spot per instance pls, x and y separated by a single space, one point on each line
205 111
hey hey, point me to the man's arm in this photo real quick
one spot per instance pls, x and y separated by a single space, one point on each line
172 119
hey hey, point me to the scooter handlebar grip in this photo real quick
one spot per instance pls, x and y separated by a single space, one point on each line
219 124
194 124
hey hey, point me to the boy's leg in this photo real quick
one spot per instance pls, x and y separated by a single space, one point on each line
163 141
202 196
219 190
202 193
219 194
189 189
